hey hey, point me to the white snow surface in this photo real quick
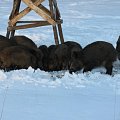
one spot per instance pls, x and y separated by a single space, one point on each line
39 95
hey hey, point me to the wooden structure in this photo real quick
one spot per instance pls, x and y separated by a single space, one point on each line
51 16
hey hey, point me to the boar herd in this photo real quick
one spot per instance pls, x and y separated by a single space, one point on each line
20 52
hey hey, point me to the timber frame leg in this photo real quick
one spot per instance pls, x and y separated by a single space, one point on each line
51 16
15 11
54 27
58 17
57 29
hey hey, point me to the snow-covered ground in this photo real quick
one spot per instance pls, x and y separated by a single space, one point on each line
39 95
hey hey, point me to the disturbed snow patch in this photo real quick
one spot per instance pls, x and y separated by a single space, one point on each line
59 79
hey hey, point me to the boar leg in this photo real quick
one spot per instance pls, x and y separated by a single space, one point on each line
89 67
109 68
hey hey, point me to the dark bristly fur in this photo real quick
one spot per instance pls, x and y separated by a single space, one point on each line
97 54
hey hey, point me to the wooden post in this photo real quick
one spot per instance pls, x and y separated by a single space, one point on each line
54 27
15 11
58 16
60 33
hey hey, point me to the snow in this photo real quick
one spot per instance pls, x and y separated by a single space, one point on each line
39 95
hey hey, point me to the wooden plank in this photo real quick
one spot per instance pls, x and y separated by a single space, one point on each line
8 32
16 12
54 27
60 33
44 9
15 9
40 12
43 23
23 13
34 24
58 18
57 21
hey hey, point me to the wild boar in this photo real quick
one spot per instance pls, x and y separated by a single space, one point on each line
52 63
45 52
58 57
75 49
17 57
97 54
23 40
62 57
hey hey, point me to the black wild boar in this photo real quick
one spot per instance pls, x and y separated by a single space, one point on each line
37 53
17 57
39 56
62 57
52 64
58 57
65 56
75 62
72 44
29 44
97 54
45 52
75 49
23 40
118 48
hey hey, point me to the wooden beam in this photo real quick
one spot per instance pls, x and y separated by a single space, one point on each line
33 24
39 11
58 18
41 23
60 33
54 27
44 9
15 9
57 21
23 13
